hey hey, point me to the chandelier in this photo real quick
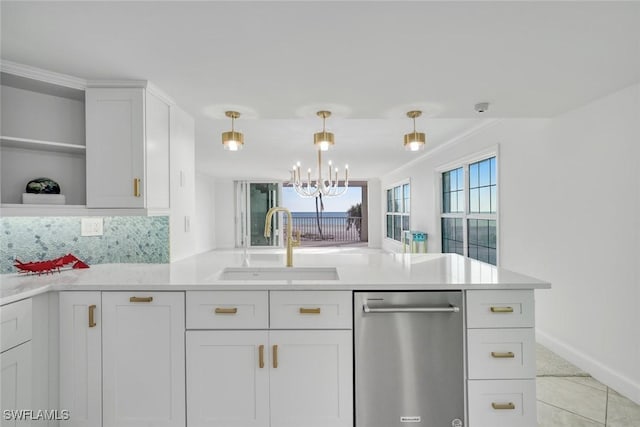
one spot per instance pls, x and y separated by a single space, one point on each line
325 187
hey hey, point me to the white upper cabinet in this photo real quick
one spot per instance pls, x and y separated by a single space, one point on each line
127 148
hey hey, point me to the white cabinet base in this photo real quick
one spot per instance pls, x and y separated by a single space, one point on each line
502 403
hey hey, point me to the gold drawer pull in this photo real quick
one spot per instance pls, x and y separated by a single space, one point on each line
261 356
309 310
275 356
502 309
509 405
222 310
507 355
136 187
140 299
92 320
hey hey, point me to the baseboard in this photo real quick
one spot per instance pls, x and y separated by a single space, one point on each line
602 373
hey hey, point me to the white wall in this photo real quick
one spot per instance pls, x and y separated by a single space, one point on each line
205 221
569 209
224 214
374 213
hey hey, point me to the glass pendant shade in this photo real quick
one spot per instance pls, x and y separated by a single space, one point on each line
414 141
232 140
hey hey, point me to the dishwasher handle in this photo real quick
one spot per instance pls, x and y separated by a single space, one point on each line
393 309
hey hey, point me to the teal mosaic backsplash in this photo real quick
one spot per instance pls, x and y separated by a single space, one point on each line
134 239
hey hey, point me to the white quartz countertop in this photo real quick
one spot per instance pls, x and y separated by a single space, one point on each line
358 270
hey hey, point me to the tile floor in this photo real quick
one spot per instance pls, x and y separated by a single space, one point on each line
570 397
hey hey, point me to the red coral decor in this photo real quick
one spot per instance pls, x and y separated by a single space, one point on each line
49 266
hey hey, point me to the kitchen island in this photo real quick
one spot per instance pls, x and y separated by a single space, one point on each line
176 344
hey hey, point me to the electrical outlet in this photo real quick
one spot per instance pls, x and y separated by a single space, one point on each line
92 227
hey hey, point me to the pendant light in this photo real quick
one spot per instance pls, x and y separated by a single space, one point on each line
323 139
414 141
232 140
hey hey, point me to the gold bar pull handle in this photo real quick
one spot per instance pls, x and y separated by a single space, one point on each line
136 187
140 299
500 406
92 312
309 310
503 355
275 356
261 356
502 309
226 310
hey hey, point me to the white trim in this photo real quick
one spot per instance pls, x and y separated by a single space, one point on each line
123 84
476 156
486 124
612 378
164 97
39 74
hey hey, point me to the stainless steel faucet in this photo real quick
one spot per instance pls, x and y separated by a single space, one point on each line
290 241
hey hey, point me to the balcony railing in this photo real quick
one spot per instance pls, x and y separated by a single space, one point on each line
332 228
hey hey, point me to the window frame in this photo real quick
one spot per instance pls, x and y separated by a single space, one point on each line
401 213
465 216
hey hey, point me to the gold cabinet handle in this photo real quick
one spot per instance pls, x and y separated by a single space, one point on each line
223 310
261 356
136 187
140 299
309 310
92 320
502 309
275 356
509 405
506 355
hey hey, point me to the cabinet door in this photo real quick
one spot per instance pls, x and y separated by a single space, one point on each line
115 132
81 358
16 382
143 359
227 385
311 378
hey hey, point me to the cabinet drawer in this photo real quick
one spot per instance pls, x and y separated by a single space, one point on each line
500 309
310 310
501 353
502 403
227 310
15 324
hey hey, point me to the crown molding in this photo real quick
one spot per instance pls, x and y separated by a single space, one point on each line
35 73
155 90
117 84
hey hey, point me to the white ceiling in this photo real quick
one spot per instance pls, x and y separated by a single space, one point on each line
279 62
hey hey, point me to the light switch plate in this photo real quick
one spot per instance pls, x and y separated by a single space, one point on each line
92 227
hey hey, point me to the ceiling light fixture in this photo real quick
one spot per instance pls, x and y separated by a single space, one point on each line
323 139
325 187
232 140
414 141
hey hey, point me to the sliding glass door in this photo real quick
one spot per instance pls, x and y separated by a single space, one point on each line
253 200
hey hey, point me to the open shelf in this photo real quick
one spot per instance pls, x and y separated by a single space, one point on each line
11 141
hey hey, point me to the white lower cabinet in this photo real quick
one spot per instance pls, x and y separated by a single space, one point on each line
15 380
15 361
501 386
81 357
122 358
269 378
311 378
299 375
227 379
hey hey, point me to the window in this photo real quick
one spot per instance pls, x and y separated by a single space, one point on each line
469 210
398 208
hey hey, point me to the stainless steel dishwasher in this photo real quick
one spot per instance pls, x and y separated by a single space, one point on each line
409 361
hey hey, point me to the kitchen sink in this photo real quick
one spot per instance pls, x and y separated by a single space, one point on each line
280 273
